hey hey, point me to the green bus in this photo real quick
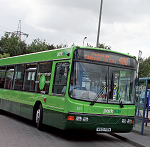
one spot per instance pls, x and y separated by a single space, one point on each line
77 88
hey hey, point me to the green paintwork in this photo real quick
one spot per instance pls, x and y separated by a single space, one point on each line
99 108
57 108
55 54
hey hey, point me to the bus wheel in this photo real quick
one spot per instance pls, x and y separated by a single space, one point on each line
39 117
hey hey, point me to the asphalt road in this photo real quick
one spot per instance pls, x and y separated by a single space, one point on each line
18 132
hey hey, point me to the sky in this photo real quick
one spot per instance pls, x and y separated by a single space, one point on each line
125 24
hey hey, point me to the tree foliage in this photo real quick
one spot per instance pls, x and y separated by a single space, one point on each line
12 45
103 46
61 46
144 68
4 55
37 45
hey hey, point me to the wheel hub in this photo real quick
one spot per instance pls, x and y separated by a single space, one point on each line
38 116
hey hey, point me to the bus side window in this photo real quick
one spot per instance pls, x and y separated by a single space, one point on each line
61 75
2 76
9 77
19 75
43 77
29 80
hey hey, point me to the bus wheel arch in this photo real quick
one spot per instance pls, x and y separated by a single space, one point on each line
38 114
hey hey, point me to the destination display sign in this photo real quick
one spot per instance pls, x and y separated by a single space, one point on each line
108 58
105 57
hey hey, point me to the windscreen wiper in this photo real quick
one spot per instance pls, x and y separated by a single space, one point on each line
100 92
112 87
121 105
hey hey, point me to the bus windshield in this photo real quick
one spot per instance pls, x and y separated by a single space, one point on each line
102 83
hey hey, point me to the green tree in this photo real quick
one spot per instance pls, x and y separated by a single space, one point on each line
61 46
12 45
103 46
50 47
37 45
144 68
4 55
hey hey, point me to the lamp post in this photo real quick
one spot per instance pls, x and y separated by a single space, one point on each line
99 23
84 39
139 58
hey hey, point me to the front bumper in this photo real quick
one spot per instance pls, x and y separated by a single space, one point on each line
100 123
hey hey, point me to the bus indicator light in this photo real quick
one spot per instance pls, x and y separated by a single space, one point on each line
133 121
72 118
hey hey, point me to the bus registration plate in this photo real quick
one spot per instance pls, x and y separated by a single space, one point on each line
103 129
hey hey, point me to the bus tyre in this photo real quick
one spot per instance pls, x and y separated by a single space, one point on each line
1 111
39 117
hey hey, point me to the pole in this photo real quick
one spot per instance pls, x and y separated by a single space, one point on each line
139 58
99 23
83 40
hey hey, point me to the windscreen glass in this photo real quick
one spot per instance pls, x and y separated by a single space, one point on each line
101 83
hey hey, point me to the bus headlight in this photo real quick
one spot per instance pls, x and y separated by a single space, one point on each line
124 121
129 121
85 119
78 118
